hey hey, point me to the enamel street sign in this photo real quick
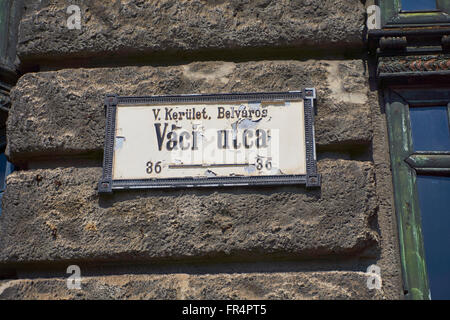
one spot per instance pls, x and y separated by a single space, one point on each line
210 140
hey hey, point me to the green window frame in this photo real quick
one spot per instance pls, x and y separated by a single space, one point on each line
392 16
406 164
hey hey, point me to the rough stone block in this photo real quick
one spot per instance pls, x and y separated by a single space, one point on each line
61 112
247 286
52 215
126 27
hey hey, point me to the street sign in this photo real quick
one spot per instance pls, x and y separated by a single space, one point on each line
209 140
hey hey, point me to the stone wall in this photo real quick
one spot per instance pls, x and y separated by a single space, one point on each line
125 29
284 242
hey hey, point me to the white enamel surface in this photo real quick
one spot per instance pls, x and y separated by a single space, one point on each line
136 140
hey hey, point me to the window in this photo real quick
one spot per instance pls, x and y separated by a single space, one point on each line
430 128
434 201
5 169
418 5
419 138
409 13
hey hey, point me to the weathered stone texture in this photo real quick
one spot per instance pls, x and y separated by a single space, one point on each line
389 260
247 286
57 215
61 112
122 27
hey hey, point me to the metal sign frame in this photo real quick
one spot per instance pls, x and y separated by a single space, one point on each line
312 179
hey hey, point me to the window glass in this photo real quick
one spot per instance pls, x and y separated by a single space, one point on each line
5 169
418 5
430 128
3 163
434 199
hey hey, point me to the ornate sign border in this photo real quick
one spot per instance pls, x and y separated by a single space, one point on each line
312 179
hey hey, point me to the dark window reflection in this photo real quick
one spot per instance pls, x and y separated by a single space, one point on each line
5 169
3 164
430 128
414 5
434 198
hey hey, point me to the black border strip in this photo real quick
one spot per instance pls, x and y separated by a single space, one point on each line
311 179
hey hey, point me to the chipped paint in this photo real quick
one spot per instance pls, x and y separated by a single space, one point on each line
119 143
405 123
210 174
248 124
250 169
341 92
